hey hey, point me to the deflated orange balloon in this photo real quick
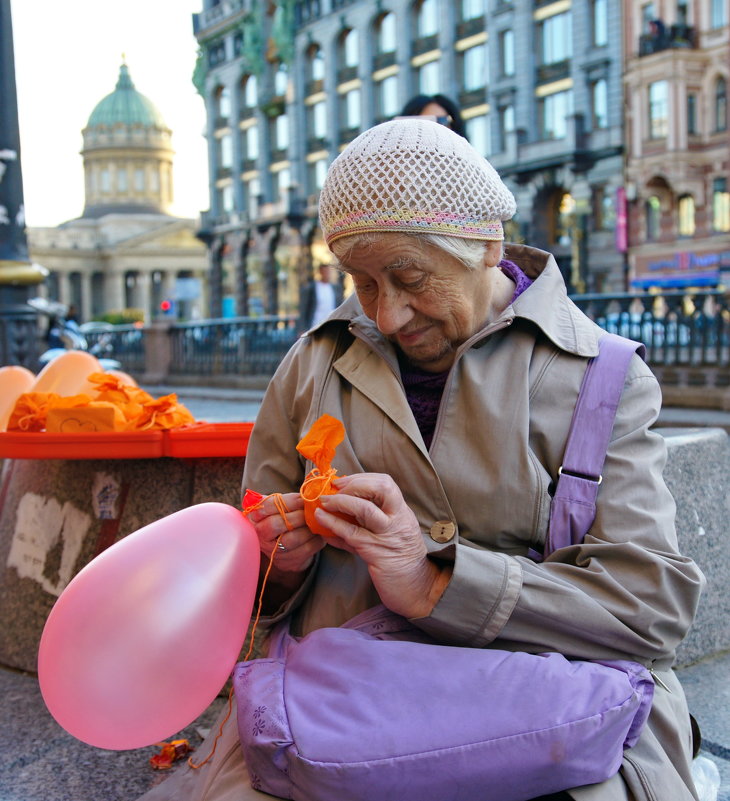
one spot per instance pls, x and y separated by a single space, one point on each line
319 446
14 381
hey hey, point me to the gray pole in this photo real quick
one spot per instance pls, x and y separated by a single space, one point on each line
18 327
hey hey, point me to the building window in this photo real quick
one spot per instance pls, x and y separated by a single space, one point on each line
349 49
506 122
428 78
556 38
472 9
475 66
317 173
477 132
315 69
121 180
686 209
227 199
222 105
427 23
604 209
720 105
139 180
251 143
250 92
555 110
599 103
691 113
318 121
720 205
252 191
599 20
281 183
351 110
658 114
648 15
507 52
386 34
653 212
281 132
106 185
718 13
225 149
281 81
387 97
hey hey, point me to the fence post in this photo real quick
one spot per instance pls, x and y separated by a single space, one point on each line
157 352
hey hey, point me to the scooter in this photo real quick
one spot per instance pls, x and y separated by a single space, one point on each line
64 334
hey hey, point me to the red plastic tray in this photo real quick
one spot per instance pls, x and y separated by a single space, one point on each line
207 439
89 445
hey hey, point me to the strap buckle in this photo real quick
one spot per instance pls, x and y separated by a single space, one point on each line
572 473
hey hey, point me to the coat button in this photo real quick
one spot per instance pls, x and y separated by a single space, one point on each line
442 531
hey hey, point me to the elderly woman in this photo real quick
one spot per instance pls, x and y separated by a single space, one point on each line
455 367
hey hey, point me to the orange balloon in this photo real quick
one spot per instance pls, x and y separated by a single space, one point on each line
123 377
14 381
67 374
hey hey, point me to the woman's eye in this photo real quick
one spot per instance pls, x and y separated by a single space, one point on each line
412 282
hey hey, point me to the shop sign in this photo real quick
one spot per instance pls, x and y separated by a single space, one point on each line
681 269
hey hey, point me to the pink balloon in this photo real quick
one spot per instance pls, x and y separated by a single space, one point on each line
144 637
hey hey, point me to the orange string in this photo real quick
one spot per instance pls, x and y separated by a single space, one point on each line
315 476
282 510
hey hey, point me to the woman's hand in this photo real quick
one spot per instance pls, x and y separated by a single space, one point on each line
299 544
387 536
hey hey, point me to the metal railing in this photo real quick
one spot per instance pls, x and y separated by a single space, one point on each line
679 329
232 346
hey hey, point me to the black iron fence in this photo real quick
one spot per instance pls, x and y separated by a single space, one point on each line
679 329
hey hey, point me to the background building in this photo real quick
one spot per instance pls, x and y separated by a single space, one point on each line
678 142
288 84
125 253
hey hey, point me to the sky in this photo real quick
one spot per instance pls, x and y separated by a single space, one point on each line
67 58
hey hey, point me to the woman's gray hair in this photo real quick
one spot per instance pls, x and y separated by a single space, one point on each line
470 252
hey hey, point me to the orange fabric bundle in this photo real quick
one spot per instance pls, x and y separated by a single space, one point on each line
31 409
319 446
164 412
129 399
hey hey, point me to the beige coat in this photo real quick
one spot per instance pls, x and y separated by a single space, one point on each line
625 592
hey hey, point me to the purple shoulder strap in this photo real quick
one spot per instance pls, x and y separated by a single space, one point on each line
573 506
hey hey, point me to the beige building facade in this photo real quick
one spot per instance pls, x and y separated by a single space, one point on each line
125 254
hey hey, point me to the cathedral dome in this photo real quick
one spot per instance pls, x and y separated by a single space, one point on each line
127 154
126 106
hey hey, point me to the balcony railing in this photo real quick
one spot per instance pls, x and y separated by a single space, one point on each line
661 38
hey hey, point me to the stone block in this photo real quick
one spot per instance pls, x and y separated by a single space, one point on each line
698 476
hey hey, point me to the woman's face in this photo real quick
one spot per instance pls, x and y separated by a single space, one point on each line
424 300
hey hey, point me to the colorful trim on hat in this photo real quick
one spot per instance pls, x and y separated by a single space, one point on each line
409 221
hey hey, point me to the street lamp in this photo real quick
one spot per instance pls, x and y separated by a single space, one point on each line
18 329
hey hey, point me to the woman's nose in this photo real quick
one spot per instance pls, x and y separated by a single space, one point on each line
393 312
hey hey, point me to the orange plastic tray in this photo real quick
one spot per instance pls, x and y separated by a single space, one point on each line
89 445
207 439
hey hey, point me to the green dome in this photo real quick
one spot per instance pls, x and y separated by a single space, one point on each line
127 106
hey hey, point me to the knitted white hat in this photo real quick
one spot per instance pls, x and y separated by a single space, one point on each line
413 175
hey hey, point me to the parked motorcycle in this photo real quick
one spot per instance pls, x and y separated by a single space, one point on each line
65 334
